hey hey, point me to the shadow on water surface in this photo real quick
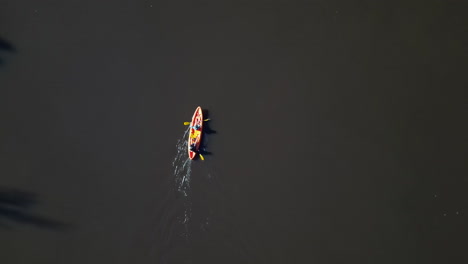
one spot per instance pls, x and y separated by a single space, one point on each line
14 207
207 131
5 46
206 125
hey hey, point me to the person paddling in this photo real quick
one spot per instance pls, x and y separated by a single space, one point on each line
193 147
196 127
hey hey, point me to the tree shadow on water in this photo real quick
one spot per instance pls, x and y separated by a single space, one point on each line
5 46
15 206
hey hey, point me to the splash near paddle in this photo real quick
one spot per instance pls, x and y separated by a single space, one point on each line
195 133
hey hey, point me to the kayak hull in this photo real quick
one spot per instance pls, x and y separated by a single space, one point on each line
195 133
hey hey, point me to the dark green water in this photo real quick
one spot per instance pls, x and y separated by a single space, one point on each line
339 132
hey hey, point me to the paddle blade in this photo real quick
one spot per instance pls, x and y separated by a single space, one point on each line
206 119
186 123
201 156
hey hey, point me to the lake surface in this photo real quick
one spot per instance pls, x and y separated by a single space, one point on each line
337 133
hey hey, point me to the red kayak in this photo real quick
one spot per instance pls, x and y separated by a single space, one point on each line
195 135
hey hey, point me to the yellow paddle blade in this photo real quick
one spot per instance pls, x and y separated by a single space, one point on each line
201 156
207 119
186 123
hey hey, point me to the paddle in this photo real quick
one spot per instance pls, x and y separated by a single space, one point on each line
201 156
188 123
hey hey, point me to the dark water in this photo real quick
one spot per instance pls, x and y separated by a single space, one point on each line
339 132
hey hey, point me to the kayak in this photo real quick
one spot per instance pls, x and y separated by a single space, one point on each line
195 133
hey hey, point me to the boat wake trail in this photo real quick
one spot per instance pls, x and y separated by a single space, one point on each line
171 240
182 166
